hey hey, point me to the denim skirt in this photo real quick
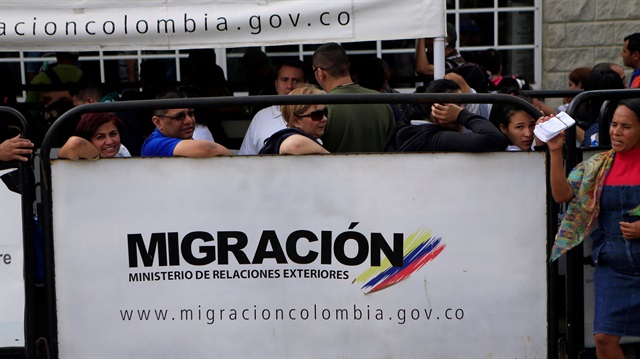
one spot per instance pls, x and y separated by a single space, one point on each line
617 274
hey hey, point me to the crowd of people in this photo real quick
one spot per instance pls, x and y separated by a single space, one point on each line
348 127
604 189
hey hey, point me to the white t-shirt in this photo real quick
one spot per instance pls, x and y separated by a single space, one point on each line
123 152
264 124
201 132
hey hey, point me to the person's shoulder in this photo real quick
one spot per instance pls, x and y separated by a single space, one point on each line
158 144
602 156
123 152
413 136
350 88
158 137
359 89
595 160
272 144
67 69
155 134
41 79
286 132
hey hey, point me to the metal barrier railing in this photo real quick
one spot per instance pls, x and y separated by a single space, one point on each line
27 202
75 113
574 309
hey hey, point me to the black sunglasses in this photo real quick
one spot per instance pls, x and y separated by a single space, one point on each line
180 116
317 115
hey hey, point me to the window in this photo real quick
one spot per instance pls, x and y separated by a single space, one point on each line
511 26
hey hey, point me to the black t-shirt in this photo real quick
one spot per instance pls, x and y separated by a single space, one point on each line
272 144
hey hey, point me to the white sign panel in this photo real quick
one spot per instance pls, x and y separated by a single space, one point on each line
12 297
403 256
153 24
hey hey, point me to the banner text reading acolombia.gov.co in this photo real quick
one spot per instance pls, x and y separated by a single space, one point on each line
314 312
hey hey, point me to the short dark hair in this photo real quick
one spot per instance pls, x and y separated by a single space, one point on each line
295 63
87 89
501 113
422 110
442 86
332 58
167 95
634 42
603 79
89 123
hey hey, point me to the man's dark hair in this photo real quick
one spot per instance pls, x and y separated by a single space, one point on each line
87 89
167 95
442 86
332 58
634 42
295 63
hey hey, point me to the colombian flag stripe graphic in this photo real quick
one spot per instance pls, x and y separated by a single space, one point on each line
419 249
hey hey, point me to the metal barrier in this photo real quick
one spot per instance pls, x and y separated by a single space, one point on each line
574 306
27 201
47 217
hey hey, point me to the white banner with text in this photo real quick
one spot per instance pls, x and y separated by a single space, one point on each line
12 295
76 25
335 256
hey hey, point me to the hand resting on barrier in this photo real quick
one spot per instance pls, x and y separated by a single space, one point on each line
173 135
15 148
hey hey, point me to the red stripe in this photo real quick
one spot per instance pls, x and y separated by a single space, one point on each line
407 271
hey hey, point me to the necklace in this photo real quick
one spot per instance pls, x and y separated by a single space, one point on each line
347 84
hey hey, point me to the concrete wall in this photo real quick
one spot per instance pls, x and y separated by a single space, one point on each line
579 33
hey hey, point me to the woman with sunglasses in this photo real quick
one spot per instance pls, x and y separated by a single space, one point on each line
305 126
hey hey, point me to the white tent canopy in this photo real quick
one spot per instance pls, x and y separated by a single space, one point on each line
82 25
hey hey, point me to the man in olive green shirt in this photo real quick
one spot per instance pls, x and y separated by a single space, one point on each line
350 127
65 70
